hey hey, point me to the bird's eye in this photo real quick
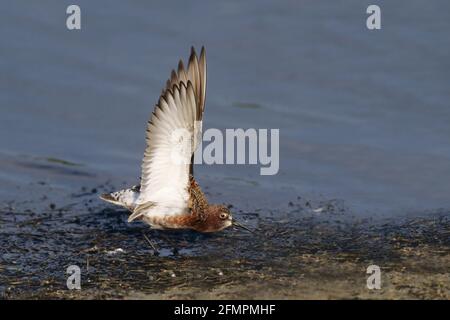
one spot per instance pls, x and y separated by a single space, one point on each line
223 215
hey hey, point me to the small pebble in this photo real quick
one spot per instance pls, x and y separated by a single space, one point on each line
116 251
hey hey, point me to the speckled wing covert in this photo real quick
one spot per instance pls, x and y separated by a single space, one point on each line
173 134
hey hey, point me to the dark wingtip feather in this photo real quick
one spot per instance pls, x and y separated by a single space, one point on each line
107 197
180 66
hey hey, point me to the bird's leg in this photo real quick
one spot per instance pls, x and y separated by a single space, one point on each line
171 243
153 245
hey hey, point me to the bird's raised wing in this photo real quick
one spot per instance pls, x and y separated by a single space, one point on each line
173 133
195 73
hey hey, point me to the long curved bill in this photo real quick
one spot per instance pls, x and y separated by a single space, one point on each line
237 224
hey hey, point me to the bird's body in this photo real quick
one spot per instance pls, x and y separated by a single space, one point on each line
195 218
168 196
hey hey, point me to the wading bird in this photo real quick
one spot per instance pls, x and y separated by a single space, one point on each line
168 196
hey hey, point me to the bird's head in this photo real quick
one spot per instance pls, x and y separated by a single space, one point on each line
218 217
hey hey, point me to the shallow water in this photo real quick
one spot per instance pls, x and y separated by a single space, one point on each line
363 118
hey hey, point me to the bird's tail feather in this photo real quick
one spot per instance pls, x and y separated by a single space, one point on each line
126 198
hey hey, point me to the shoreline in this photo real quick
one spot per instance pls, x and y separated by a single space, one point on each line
306 257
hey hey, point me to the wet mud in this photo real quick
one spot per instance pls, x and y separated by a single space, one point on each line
315 251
